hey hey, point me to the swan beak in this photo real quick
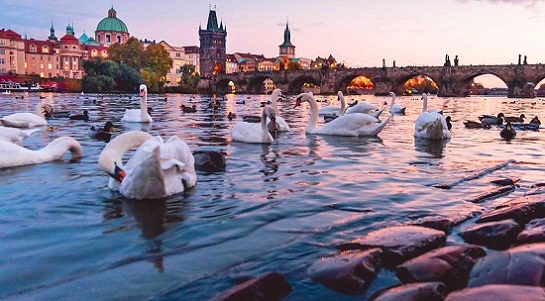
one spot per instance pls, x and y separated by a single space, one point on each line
297 103
119 174
141 92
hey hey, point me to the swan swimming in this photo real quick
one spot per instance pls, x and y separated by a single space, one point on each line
255 132
356 124
156 169
334 110
281 124
142 114
430 124
12 155
15 135
26 119
394 107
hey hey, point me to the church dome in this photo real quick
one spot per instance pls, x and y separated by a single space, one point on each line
112 23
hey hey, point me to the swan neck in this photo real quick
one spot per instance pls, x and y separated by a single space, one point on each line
56 149
113 151
313 119
144 105
265 135
393 100
343 105
424 104
274 100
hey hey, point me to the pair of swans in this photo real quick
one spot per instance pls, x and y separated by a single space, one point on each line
26 119
354 124
249 132
431 124
362 107
156 169
281 125
139 115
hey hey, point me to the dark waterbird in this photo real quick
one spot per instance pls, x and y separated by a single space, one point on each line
102 134
508 132
84 116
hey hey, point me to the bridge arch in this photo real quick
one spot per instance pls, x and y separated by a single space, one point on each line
223 87
255 83
296 84
398 83
342 85
468 78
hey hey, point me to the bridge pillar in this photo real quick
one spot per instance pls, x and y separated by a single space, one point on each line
519 87
383 87
206 86
449 86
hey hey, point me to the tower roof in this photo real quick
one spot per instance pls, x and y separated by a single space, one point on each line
212 23
287 37
112 23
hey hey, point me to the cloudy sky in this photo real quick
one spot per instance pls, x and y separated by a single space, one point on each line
359 33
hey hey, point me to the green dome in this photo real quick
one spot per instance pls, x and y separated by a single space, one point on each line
112 23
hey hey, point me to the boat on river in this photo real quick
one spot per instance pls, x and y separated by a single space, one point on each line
9 86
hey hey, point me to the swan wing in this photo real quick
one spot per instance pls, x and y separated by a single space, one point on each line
347 125
248 133
328 110
362 107
23 120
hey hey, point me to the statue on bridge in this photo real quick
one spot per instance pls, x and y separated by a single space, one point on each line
525 62
383 63
394 64
456 60
447 61
519 58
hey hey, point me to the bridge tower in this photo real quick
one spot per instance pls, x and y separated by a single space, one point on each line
287 49
212 47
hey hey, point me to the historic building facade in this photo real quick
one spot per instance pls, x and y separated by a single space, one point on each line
212 49
286 49
12 52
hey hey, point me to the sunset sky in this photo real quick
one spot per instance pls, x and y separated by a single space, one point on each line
358 33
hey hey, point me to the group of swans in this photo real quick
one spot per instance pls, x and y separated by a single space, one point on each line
361 107
156 169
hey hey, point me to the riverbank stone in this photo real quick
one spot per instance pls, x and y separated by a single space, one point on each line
498 292
522 265
495 235
533 232
398 243
431 291
348 273
437 222
522 210
268 287
450 265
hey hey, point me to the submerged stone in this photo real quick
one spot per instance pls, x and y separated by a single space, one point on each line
498 292
431 291
349 273
268 287
437 222
522 265
533 232
209 161
495 235
399 243
521 209
450 265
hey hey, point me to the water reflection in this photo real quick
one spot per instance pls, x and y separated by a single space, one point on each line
269 158
431 146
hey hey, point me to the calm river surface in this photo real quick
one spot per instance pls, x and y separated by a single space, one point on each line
65 236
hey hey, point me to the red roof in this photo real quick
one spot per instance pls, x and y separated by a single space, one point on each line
10 34
39 46
69 39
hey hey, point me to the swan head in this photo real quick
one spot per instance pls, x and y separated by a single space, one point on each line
277 94
391 94
118 173
268 111
143 90
302 98
340 94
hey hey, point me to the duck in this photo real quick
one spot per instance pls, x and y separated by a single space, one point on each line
514 119
15 135
102 133
430 124
395 108
188 109
476 125
50 112
241 102
355 102
508 132
253 132
156 169
535 120
84 116
356 124
251 119
491 119
25 120
334 110
139 115
448 119
232 116
15 155
281 124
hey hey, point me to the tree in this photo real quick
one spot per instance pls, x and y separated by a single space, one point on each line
130 53
157 62
104 76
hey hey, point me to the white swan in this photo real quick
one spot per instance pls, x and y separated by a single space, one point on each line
14 135
15 155
334 110
255 132
395 108
157 169
25 120
356 124
139 115
430 124
281 124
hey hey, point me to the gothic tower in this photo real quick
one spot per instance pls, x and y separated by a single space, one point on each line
287 49
212 48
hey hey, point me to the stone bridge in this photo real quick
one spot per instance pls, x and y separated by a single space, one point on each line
451 80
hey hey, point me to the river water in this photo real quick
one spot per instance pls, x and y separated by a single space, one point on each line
65 236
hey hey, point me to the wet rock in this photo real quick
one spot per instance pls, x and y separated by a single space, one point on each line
496 235
534 231
450 265
209 161
505 181
432 291
499 293
268 287
399 243
522 265
491 193
436 222
348 273
522 210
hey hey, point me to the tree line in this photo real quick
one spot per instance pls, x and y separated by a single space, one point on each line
130 64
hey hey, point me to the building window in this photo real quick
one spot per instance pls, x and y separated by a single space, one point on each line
2 51
3 42
3 71
2 61
49 66
119 39
107 38
45 49
98 39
